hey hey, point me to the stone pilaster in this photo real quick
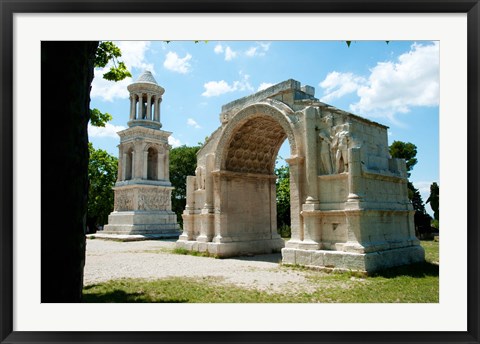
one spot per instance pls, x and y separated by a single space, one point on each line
311 155
160 165
296 168
355 180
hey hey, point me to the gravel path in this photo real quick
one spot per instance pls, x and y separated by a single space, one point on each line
108 260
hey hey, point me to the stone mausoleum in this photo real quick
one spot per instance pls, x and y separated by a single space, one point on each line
143 190
349 204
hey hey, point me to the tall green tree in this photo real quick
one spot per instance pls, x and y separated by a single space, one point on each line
283 200
404 150
102 174
67 69
183 162
434 200
408 151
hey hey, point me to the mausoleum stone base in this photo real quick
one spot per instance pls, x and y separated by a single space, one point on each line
362 262
231 249
157 223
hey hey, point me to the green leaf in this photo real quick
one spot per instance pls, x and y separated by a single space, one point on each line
99 119
117 73
348 43
105 52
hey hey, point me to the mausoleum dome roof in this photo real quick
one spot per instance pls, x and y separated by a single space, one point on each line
146 76
146 83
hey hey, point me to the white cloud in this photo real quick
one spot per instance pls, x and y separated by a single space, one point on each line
174 142
176 64
218 49
109 130
336 85
108 90
251 51
133 54
259 50
264 85
423 187
191 122
216 88
391 87
396 87
229 54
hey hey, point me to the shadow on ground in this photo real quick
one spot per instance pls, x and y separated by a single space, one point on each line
270 258
120 296
418 270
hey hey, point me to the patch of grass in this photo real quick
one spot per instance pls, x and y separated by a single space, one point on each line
206 290
184 251
431 250
154 251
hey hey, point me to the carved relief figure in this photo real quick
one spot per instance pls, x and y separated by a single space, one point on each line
123 200
340 150
325 154
152 200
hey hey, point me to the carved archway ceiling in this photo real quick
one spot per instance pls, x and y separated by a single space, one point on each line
254 146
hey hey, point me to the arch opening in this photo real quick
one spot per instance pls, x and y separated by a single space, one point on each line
152 164
129 164
250 161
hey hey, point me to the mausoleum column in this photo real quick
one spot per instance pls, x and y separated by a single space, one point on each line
140 105
311 156
149 106
132 106
158 100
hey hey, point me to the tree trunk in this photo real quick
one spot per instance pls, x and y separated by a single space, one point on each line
67 73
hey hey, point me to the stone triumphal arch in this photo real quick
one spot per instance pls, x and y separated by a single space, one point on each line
349 204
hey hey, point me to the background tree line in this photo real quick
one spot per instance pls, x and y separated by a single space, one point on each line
183 161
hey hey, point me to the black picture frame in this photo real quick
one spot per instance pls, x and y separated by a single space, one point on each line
9 7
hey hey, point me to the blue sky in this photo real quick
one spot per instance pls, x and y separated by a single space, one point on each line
395 84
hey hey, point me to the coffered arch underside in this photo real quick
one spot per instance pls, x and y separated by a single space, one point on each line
252 138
